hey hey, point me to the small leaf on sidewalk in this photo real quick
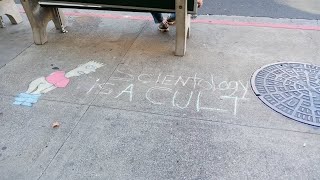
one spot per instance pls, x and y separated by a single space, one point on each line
56 124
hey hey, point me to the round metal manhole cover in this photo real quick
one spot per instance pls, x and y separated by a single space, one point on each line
292 89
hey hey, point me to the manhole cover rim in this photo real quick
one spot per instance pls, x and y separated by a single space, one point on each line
260 96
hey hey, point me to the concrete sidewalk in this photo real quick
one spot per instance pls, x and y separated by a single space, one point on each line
147 114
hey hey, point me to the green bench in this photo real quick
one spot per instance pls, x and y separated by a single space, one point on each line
40 12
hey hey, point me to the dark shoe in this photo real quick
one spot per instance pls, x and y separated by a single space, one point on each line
171 20
194 16
164 26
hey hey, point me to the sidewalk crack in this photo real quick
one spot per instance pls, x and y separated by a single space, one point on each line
17 55
70 133
121 62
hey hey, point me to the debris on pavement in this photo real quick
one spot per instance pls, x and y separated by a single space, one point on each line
56 124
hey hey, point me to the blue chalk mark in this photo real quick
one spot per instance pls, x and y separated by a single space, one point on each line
26 104
25 99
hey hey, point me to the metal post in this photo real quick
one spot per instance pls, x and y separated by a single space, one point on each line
181 27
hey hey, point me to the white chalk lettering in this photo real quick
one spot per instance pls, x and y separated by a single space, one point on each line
223 86
205 84
141 77
167 81
177 105
206 108
213 84
245 88
180 92
235 107
233 85
129 90
148 94
105 89
158 78
180 79
94 85
195 78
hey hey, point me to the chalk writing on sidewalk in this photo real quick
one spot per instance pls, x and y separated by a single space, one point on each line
175 91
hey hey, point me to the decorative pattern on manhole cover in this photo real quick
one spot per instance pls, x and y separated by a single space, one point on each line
292 89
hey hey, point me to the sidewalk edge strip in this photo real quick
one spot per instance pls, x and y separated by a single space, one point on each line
201 21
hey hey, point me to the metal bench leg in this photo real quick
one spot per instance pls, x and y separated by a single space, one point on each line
181 27
2 25
59 20
39 17
9 8
189 26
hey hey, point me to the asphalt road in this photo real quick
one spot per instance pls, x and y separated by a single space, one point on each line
293 9
264 8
